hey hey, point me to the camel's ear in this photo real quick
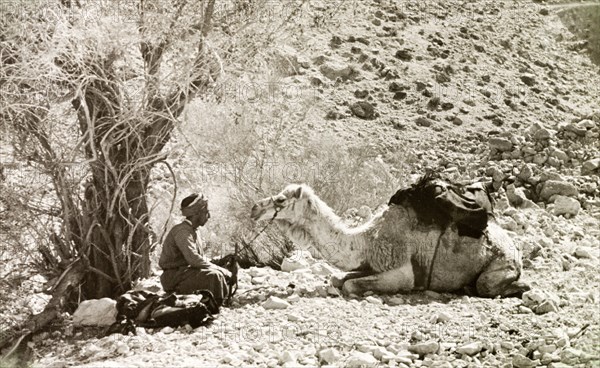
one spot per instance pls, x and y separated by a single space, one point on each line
298 193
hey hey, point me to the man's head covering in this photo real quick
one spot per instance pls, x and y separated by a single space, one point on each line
198 204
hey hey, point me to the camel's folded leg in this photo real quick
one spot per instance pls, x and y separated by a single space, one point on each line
392 281
500 278
338 279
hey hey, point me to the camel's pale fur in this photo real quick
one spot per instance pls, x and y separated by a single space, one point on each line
391 243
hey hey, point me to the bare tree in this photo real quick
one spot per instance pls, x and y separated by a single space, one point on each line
128 80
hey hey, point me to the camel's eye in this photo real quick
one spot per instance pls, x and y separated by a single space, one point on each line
280 200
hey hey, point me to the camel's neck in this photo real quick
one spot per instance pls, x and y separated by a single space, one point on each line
334 242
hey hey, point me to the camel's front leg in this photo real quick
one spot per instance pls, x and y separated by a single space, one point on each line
338 279
392 281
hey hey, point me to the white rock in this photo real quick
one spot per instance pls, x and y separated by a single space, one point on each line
584 252
358 359
329 355
470 349
290 264
96 312
379 351
374 300
257 271
521 361
122 348
275 303
167 330
566 206
293 298
288 357
395 300
424 348
443 317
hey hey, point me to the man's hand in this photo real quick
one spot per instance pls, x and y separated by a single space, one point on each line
225 271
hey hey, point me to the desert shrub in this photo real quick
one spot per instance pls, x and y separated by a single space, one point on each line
241 152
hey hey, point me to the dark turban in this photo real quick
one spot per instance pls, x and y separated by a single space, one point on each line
199 204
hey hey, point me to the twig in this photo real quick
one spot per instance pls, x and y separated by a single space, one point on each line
164 230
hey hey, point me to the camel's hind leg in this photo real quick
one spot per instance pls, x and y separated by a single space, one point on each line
500 278
392 281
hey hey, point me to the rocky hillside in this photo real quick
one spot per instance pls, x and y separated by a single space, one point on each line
502 90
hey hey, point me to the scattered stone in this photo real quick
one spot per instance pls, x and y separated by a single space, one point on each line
395 301
470 349
500 144
96 312
566 206
584 252
555 187
590 166
333 70
374 300
275 303
363 110
570 355
541 302
167 330
521 361
443 317
294 263
329 355
528 79
423 348
546 306
516 196
423 121
360 360
404 54
400 95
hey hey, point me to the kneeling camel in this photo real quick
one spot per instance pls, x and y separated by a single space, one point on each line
422 240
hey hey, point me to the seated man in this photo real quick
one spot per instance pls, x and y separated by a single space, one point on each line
185 268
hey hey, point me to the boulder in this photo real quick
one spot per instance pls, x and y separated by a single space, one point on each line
555 187
96 312
566 206
500 144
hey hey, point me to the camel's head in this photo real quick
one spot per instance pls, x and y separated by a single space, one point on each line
283 204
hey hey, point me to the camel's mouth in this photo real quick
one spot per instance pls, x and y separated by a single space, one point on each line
256 213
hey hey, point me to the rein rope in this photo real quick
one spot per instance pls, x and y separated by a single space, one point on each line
249 243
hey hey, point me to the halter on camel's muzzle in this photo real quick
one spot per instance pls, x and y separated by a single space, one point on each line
276 206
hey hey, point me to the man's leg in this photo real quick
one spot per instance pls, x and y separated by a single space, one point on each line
194 279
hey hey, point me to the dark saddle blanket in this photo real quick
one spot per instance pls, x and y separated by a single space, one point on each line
146 309
437 201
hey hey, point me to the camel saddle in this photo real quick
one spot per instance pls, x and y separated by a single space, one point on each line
440 202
